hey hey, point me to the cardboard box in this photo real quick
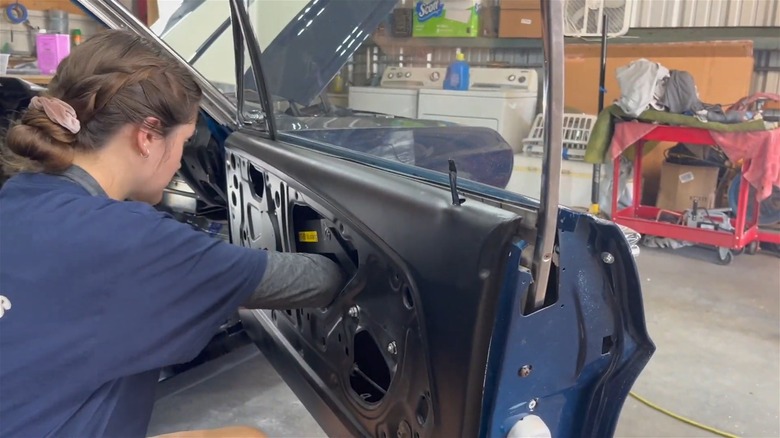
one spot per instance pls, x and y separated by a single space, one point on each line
520 19
446 18
528 5
681 185
520 23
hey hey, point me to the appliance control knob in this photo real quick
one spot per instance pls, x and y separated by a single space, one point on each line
522 79
408 74
435 76
390 76
511 78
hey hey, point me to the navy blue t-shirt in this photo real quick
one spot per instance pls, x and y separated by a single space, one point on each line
99 296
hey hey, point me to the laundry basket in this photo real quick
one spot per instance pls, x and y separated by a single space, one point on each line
576 133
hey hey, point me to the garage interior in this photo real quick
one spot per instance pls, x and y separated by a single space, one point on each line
711 296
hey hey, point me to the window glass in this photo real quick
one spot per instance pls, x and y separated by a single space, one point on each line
417 82
201 32
372 77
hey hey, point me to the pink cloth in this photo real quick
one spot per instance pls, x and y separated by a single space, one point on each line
745 103
627 134
762 148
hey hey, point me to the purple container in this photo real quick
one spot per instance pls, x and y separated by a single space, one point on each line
52 49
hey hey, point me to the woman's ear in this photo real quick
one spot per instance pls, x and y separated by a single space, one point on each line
149 131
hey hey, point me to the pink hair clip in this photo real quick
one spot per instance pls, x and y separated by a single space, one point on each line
58 112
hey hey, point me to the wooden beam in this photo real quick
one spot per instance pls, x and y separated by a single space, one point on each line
45 5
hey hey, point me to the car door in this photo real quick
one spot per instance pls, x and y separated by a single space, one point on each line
450 325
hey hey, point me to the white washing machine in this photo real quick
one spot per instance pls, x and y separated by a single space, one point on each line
503 99
397 93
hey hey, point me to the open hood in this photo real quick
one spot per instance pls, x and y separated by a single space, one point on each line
305 55
311 49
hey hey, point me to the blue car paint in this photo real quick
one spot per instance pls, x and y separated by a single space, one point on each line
577 387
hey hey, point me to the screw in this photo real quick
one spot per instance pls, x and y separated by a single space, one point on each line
525 370
353 312
607 258
392 348
532 404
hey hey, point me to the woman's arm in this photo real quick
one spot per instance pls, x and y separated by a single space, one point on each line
296 280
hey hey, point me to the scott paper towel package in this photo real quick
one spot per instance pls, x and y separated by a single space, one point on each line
446 18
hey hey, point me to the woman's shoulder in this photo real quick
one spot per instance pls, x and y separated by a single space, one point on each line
38 199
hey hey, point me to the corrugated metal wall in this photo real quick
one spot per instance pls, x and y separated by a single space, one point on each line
766 75
705 13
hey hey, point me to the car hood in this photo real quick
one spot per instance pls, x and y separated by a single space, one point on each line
303 58
307 53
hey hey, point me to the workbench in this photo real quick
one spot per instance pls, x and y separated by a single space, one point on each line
42 80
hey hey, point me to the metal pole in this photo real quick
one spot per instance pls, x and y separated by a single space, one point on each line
596 182
547 219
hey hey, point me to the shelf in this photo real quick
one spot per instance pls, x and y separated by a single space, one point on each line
471 43
764 38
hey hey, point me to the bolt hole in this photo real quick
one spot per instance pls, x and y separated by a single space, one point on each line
234 199
235 181
395 281
417 435
408 300
606 344
323 341
308 316
525 370
273 315
341 228
278 199
339 337
373 379
346 351
422 410
232 160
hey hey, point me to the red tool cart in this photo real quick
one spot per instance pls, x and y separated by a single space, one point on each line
645 219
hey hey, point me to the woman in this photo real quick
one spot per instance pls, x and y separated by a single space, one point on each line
99 293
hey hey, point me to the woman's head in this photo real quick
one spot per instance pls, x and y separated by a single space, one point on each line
134 105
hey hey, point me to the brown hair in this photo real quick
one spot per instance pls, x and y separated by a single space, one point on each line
113 79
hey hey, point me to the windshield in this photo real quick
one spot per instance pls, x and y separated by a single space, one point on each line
415 82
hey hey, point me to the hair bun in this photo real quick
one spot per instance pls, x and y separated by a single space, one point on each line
47 145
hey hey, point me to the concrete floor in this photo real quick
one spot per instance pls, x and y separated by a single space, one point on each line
716 329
